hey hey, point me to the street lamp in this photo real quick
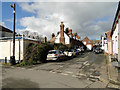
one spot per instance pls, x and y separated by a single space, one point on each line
12 58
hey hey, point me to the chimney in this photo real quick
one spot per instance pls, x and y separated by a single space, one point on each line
53 35
101 37
67 30
78 37
70 33
62 39
58 33
45 40
75 35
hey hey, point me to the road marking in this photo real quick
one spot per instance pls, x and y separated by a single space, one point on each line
61 66
30 69
85 62
80 74
74 76
68 72
64 74
22 68
52 72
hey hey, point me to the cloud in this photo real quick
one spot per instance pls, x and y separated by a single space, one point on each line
86 18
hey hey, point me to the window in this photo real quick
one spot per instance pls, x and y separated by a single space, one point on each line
88 41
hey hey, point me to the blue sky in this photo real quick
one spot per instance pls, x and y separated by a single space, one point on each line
7 14
87 19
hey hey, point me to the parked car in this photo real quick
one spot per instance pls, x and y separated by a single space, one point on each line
79 50
74 52
98 50
69 53
82 49
56 55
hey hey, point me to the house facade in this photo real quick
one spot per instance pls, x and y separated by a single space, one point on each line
109 42
66 37
115 34
88 43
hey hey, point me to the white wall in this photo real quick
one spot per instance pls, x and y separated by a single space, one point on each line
102 43
105 46
119 40
6 49
89 46
67 39
57 39
84 43
115 40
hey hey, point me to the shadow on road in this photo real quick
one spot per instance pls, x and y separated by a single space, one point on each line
18 83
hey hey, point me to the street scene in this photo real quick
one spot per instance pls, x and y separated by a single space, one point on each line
60 45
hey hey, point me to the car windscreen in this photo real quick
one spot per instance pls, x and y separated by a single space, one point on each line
98 48
52 52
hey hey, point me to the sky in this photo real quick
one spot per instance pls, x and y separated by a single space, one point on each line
90 19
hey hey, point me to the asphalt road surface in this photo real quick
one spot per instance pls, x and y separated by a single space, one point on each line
73 73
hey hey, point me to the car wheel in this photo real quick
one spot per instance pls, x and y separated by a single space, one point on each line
58 59
72 56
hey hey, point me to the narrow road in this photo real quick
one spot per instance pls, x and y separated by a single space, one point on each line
74 73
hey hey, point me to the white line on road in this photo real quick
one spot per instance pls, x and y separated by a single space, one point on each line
68 72
64 74
52 72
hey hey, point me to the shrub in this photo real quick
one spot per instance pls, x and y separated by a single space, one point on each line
36 53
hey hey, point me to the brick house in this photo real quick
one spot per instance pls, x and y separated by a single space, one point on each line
88 43
66 37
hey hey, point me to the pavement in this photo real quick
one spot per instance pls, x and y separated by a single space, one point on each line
112 71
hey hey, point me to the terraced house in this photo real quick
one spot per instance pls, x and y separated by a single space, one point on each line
66 37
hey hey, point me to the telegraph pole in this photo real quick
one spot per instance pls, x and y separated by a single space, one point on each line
12 58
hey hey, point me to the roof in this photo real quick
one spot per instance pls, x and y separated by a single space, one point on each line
52 39
86 38
108 34
18 37
3 29
95 41
118 9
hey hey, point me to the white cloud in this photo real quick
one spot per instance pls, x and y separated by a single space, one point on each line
80 16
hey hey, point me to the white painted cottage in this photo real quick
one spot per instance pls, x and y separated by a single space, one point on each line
64 37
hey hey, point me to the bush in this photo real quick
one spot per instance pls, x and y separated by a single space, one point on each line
38 52
63 47
59 46
35 53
